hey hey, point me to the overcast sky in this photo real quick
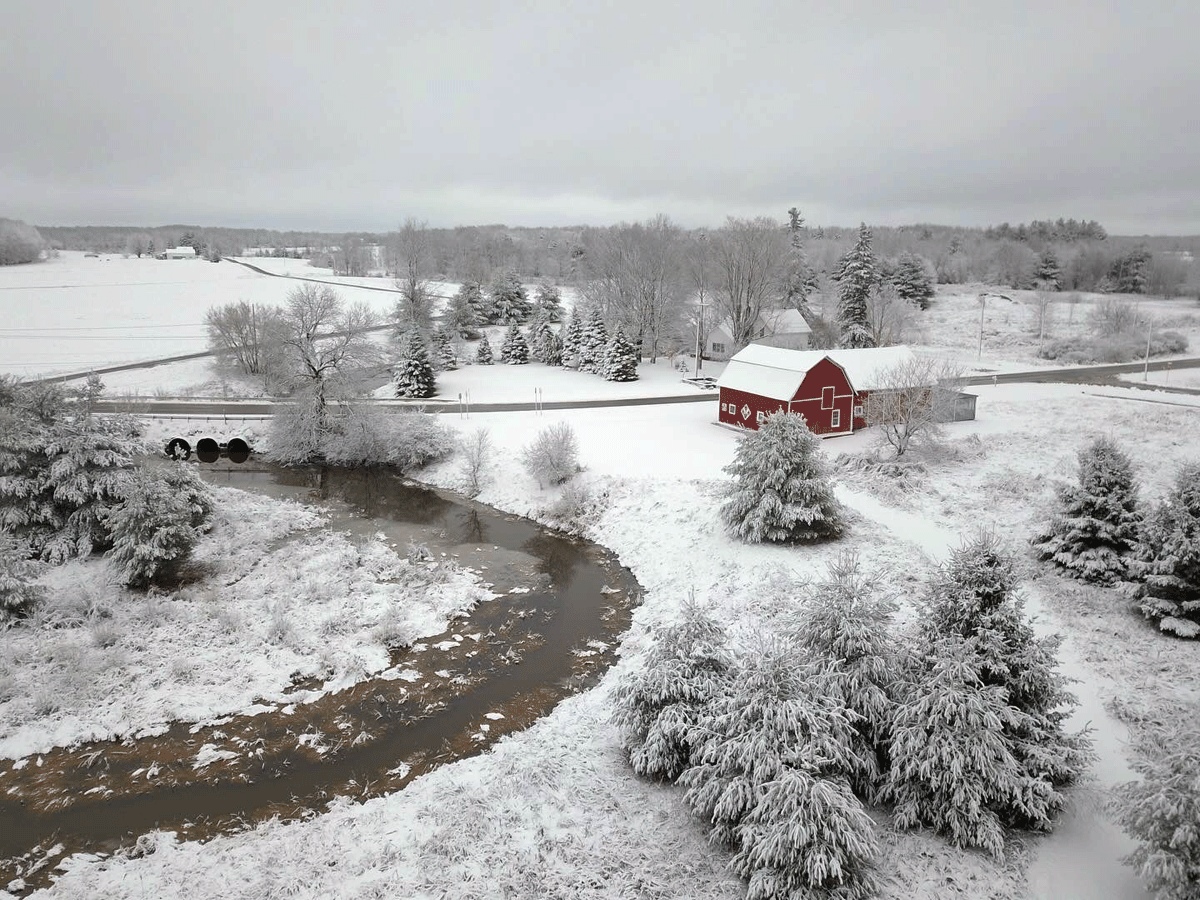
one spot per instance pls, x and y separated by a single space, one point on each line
354 115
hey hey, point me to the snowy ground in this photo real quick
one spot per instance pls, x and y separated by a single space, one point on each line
1176 378
278 599
555 810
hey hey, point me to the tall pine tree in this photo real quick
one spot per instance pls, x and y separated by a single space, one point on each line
466 310
620 360
858 277
446 357
572 340
413 375
509 303
1048 275
547 305
539 329
913 280
800 281
782 490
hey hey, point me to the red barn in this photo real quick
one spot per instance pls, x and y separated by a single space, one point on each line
829 388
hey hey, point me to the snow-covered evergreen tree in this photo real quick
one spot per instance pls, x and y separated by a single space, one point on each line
771 759
1048 274
552 349
466 310
572 340
620 359
547 305
483 354
800 281
446 357
509 303
18 571
593 340
156 524
658 706
978 742
413 375
845 621
539 329
913 280
1161 812
1097 525
1167 561
858 277
782 490
515 349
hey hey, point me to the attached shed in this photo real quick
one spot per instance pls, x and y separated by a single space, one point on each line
829 388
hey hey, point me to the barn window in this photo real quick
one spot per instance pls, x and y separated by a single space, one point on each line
827 398
835 419
718 348
760 418
858 412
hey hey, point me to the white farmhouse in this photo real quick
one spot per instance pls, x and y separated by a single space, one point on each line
775 328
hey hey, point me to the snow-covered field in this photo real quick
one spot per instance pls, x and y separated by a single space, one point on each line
268 609
555 810
74 312
1176 378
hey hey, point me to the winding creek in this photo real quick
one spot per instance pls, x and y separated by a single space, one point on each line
552 631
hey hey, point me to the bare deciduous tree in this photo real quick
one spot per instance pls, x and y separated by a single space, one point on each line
413 256
889 316
476 460
914 398
249 334
749 255
323 337
1043 302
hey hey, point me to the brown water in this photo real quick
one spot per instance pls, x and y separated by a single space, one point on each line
514 657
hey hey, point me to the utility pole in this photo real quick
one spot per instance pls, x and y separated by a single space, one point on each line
1146 361
982 308
699 324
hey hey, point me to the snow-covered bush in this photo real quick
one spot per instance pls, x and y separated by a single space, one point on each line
846 622
360 436
553 456
782 490
771 760
297 432
1167 561
1162 813
1097 525
419 439
515 350
17 573
978 741
658 706
476 461
156 524
576 508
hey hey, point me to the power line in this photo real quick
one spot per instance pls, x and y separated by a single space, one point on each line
105 337
103 327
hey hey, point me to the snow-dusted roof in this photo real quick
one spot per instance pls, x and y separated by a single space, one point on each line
785 321
777 372
181 251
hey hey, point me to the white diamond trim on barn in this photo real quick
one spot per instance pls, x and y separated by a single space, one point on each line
745 410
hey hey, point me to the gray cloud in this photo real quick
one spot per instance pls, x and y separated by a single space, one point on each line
338 116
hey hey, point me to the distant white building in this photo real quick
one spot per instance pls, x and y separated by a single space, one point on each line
180 253
775 328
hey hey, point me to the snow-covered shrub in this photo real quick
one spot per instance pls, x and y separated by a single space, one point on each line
17 573
978 741
1162 813
1097 525
156 524
361 436
771 760
846 622
658 706
576 508
419 439
782 490
1167 561
553 456
476 461
297 432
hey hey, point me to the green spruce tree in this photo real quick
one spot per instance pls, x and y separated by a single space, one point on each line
913 280
547 305
593 340
447 359
1048 274
1167 561
572 340
483 355
509 303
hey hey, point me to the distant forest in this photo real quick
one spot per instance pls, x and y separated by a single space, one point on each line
1082 254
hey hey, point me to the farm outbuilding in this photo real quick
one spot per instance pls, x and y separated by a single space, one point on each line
829 388
179 253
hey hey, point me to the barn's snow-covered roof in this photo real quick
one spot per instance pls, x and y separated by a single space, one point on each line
777 372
